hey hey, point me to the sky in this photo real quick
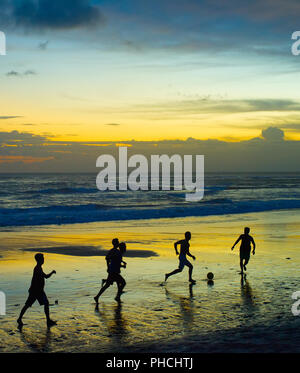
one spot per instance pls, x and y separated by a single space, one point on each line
79 73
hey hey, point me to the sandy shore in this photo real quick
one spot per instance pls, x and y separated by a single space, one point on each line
253 315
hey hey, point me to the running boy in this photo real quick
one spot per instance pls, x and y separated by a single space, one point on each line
36 291
184 251
245 248
114 260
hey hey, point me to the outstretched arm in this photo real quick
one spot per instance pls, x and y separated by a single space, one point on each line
236 242
49 274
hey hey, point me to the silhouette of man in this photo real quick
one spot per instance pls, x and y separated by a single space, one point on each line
36 291
245 248
114 260
184 251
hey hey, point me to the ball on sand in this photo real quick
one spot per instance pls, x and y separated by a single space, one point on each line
210 275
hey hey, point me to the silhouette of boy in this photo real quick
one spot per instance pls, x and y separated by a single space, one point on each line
114 260
245 248
36 291
184 251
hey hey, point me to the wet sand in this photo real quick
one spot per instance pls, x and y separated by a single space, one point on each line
228 315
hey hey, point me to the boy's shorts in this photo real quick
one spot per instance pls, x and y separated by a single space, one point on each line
245 254
183 262
114 277
40 297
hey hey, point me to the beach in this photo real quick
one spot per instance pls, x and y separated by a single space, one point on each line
228 315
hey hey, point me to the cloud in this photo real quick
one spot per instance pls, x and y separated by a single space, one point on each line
291 126
29 160
21 138
10 116
112 124
269 152
206 105
29 72
55 14
14 73
43 45
272 134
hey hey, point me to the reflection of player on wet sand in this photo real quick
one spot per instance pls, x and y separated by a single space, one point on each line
247 295
184 251
115 322
245 248
186 304
114 260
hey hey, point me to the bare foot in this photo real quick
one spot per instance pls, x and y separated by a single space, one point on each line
20 323
51 323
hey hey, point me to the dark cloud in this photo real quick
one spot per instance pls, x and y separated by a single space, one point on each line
10 116
268 152
188 26
14 73
272 134
20 138
55 14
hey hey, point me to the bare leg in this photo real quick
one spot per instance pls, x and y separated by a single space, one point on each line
47 313
24 309
242 266
245 263
190 273
167 275
121 286
102 290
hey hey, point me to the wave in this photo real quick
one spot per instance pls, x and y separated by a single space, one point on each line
63 191
93 212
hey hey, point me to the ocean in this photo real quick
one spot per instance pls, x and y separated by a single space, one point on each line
44 199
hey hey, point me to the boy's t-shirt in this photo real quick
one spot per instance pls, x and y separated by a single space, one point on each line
246 240
114 257
184 248
38 280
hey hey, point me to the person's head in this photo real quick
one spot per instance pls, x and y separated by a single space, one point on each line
39 258
122 247
115 242
246 230
187 235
